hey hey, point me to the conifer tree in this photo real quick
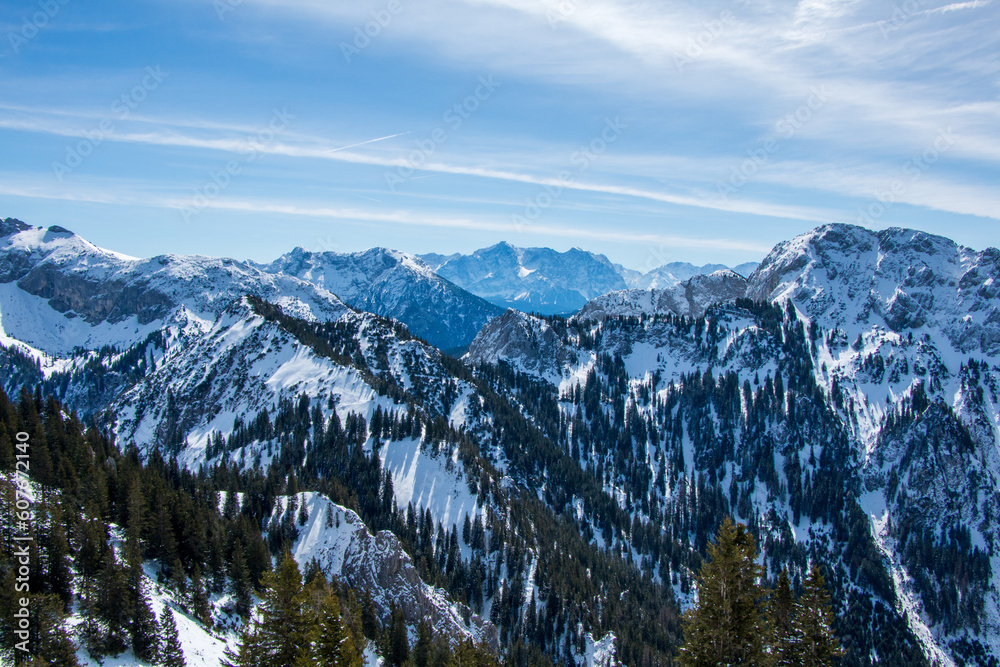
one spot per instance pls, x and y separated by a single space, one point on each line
244 653
6 451
178 578
334 644
91 633
781 612
397 644
422 649
59 577
280 635
51 645
813 623
112 591
171 654
143 628
726 626
369 620
240 585
199 598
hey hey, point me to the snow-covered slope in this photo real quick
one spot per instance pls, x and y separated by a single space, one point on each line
850 417
205 375
397 285
59 292
897 331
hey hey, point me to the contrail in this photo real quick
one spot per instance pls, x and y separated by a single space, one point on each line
370 141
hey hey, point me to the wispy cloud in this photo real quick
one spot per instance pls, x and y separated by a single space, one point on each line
316 149
119 196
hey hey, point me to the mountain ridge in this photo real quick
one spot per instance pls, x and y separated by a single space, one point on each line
596 453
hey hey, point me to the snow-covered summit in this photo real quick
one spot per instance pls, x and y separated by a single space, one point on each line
525 340
534 279
673 273
852 277
549 282
393 284
59 292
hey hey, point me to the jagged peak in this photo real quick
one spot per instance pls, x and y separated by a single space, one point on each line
12 226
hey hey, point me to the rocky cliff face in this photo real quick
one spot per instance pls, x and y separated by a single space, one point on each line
527 340
96 302
342 544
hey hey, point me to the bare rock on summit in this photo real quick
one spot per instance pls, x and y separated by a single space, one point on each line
515 336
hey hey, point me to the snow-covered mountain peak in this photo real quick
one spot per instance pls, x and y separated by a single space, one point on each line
55 244
851 277
533 279
393 284
10 226
59 292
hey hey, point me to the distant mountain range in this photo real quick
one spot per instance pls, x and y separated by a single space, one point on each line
545 281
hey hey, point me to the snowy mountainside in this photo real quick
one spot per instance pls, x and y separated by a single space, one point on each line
665 407
691 297
201 647
851 277
250 359
397 285
59 293
594 456
915 416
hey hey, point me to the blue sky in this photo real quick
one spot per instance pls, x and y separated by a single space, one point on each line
649 131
